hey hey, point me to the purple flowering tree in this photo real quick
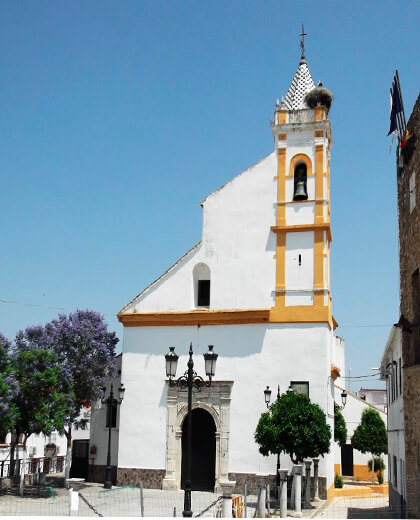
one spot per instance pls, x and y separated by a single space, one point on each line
86 350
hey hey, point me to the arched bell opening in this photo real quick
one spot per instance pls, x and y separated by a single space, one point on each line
300 191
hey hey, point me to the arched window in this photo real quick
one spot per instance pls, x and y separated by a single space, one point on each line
300 191
201 278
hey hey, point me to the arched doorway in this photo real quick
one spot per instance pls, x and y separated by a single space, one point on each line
203 451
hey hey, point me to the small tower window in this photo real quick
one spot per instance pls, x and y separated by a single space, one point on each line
201 280
203 294
300 191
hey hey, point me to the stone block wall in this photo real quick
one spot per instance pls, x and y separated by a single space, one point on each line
151 478
408 180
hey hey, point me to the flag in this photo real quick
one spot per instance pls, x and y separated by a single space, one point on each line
407 135
397 116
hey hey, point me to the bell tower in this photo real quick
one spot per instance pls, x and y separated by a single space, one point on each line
302 142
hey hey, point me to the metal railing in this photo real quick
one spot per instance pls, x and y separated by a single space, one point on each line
32 466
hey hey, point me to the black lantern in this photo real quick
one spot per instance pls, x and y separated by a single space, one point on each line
267 395
210 359
121 392
344 398
171 362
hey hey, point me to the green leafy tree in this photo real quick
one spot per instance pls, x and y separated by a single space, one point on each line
295 426
370 436
379 466
340 428
42 400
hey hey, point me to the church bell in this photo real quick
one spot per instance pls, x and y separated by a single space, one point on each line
300 191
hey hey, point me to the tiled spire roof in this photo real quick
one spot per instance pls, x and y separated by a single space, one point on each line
301 84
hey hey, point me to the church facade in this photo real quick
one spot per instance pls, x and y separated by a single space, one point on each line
257 287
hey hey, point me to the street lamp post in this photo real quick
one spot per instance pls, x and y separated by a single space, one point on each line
343 400
188 381
267 397
111 401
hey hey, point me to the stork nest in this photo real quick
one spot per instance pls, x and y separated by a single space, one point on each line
318 96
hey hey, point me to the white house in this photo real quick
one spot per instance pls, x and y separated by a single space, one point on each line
375 396
392 372
47 452
257 287
350 462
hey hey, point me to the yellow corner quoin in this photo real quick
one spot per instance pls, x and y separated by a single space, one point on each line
319 114
302 314
282 117
281 186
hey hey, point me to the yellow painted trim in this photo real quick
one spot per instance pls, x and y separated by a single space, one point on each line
282 117
304 227
296 314
300 314
281 185
337 469
319 182
300 157
280 269
362 472
319 113
195 317
359 491
382 489
330 493
282 137
318 266
319 133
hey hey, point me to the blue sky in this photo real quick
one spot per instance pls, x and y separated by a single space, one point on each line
118 118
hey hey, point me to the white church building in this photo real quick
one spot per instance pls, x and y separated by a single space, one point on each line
257 287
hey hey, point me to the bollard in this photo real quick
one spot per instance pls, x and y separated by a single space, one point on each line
262 495
283 493
298 489
74 502
316 488
308 464
227 490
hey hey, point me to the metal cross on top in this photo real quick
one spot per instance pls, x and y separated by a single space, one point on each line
302 40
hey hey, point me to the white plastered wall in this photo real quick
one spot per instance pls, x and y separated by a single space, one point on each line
252 356
237 246
300 268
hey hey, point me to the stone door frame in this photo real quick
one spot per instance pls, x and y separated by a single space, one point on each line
216 401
